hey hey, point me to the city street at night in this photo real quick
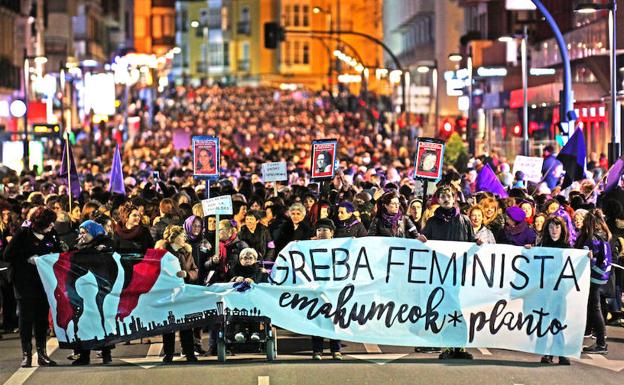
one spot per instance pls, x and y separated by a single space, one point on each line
311 192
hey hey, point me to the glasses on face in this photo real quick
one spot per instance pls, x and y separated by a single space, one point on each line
393 203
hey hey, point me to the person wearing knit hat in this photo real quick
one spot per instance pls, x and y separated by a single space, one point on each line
517 231
325 223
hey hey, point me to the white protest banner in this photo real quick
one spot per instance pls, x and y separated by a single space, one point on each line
274 171
394 291
530 166
217 206
388 291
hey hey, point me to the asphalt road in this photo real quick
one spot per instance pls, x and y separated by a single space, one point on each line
140 363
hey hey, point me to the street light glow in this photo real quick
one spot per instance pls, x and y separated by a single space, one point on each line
194 24
455 57
317 10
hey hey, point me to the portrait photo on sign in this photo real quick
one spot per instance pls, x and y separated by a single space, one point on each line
323 158
206 157
429 157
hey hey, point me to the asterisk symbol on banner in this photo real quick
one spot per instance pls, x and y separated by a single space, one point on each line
455 318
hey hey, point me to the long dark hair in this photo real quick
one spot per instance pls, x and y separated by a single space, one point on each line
593 220
547 240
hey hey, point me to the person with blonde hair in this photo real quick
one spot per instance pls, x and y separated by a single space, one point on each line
174 241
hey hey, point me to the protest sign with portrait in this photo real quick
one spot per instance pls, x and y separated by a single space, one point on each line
206 157
429 159
323 159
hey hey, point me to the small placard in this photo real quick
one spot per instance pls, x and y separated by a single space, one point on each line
530 166
274 172
217 206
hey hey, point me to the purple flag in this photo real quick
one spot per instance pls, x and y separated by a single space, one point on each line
572 156
116 184
487 181
75 182
616 172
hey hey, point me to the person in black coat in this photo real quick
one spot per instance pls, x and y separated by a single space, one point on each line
257 236
448 224
390 221
348 225
296 229
93 241
130 235
22 252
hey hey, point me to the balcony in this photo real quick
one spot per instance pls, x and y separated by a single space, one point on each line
243 28
243 65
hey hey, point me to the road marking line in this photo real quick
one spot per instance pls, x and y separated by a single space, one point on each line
372 348
486 352
154 349
263 380
22 374
379 359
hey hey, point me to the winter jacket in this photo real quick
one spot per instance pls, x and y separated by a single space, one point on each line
601 260
449 225
485 235
260 240
185 257
25 277
352 227
518 235
405 229
135 240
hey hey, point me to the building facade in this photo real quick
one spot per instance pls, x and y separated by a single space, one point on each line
498 104
422 33
223 40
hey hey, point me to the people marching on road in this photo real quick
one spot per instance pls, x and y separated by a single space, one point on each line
372 194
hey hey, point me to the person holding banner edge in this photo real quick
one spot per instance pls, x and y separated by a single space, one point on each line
449 224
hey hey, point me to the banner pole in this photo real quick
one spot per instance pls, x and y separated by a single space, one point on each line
69 189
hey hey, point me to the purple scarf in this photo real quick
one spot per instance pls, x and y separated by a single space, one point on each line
391 220
188 227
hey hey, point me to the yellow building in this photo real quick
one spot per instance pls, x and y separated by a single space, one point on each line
305 57
154 26
223 40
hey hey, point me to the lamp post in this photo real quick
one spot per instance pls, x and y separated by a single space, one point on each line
525 85
328 21
616 146
206 55
435 81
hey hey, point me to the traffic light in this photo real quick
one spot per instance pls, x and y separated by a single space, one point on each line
446 129
273 34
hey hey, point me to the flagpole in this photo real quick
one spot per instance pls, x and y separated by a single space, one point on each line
600 181
69 192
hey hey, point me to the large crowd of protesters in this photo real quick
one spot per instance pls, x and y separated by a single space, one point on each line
372 194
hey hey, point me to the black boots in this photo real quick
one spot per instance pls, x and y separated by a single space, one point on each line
26 359
106 356
43 359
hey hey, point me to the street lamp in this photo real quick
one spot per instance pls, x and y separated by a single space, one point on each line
328 22
525 85
616 133
455 57
206 69
435 80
